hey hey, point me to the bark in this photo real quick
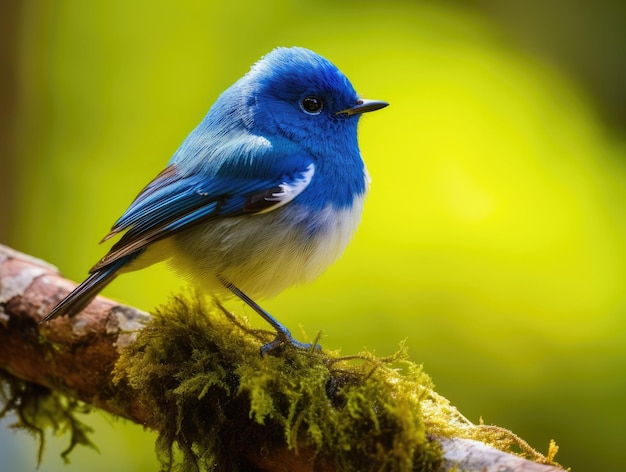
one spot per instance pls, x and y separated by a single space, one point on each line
79 355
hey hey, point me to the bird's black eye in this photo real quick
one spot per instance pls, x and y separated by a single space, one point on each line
311 105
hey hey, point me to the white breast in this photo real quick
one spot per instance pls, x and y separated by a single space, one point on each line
264 254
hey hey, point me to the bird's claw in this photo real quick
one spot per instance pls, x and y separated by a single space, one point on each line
284 338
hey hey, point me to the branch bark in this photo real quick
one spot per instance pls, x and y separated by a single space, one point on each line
87 347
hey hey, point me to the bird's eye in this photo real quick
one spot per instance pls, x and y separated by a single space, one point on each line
311 105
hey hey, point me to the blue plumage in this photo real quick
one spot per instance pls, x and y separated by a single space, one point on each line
264 193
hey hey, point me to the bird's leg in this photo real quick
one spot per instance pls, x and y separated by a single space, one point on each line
283 335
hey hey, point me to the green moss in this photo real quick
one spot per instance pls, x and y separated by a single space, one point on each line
198 375
211 393
39 409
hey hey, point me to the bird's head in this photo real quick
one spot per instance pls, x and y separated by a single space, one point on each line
300 95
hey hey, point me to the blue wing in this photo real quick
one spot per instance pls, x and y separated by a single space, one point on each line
173 202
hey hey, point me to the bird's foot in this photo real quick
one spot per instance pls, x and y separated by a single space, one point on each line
284 338
283 335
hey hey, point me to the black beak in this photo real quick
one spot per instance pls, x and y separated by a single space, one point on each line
363 106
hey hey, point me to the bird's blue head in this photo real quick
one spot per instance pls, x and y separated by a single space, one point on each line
303 95
292 97
297 94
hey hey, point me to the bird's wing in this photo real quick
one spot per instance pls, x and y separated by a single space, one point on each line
173 202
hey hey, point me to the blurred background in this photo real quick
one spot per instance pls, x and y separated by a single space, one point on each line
494 235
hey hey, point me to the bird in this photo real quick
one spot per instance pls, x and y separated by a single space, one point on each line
266 192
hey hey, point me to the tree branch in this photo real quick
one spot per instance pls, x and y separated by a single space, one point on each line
119 359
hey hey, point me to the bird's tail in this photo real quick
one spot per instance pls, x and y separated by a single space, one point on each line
82 295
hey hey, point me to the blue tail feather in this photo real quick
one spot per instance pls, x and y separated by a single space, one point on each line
82 295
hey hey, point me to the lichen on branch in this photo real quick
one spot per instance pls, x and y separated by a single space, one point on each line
210 393
193 372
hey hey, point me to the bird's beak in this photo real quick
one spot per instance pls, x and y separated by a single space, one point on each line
363 106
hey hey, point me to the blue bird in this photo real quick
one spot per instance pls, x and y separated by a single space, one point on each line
265 193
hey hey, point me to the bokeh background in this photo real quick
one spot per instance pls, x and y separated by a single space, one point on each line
494 235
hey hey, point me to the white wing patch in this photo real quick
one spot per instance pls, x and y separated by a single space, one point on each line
289 191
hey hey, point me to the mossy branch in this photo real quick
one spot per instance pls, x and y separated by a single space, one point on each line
194 374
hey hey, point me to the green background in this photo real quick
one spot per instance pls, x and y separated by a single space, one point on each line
493 238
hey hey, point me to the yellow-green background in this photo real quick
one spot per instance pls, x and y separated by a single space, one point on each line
493 238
